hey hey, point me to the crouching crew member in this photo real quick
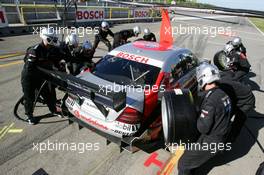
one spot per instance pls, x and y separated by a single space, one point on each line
121 37
214 122
148 35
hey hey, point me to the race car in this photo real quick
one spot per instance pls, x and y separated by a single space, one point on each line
141 71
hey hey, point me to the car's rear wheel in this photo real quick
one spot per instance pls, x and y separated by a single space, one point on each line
179 117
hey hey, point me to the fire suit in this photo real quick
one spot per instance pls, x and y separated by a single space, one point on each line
121 37
32 78
214 124
102 36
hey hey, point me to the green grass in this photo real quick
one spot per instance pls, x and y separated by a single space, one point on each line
259 22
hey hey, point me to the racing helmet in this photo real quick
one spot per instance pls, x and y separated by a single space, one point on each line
206 73
136 30
72 40
228 48
87 45
237 41
49 37
105 25
146 31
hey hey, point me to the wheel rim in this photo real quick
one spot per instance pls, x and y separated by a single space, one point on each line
164 115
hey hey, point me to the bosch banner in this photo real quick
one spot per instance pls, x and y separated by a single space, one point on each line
90 15
3 19
142 13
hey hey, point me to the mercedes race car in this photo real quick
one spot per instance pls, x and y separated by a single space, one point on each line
121 97
143 70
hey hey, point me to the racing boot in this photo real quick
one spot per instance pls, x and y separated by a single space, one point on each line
31 120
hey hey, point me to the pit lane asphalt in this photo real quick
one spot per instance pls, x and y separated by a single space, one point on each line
16 149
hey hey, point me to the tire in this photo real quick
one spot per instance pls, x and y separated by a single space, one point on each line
179 117
220 60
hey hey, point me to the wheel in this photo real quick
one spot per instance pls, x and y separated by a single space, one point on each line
20 101
220 60
179 117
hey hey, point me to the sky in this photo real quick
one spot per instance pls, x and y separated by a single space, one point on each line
239 4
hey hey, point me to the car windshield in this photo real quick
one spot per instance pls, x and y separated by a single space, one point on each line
126 72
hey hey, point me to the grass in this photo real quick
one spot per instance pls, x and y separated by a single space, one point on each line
259 22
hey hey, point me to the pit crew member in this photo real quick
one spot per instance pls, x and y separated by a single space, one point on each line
213 123
45 55
104 31
148 35
121 37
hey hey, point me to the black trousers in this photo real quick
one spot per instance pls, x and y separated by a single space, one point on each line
104 40
194 158
31 82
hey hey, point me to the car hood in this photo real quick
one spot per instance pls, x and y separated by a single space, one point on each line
134 96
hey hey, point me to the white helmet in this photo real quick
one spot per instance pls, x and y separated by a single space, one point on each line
87 45
228 48
105 25
237 41
48 35
72 40
206 73
137 30
146 31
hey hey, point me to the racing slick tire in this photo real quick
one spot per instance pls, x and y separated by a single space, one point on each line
179 117
220 60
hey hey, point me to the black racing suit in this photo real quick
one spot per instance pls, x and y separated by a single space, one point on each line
241 48
77 58
240 64
150 37
121 37
32 78
243 100
102 36
214 125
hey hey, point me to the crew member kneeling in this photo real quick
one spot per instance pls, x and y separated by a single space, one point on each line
213 123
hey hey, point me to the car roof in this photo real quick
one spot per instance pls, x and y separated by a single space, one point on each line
151 50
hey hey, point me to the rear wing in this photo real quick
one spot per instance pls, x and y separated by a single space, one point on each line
81 88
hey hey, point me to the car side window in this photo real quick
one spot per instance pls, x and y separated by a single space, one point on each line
187 61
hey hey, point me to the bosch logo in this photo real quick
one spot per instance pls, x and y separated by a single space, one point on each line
84 15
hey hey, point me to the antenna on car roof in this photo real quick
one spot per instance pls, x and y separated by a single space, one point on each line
166 39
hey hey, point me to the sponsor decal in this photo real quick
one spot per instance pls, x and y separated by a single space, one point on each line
142 13
127 127
137 58
89 15
89 120
3 19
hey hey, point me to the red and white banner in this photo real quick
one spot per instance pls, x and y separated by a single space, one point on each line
90 15
142 13
3 19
